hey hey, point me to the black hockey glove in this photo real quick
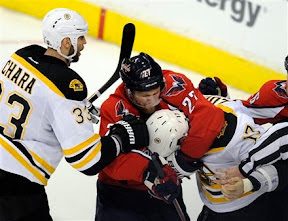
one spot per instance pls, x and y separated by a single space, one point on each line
132 132
167 188
209 86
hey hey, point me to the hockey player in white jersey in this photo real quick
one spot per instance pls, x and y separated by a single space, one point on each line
43 118
239 137
269 104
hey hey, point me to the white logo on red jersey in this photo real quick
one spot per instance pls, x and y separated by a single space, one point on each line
177 86
120 109
280 89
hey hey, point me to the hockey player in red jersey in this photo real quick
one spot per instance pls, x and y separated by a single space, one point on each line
43 118
145 89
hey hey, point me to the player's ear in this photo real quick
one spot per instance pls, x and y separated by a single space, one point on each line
66 43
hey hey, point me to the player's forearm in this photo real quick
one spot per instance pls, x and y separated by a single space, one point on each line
264 179
108 154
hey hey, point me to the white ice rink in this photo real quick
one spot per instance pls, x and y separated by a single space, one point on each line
72 195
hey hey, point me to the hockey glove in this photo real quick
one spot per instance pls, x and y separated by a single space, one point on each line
183 165
167 188
209 86
95 114
132 132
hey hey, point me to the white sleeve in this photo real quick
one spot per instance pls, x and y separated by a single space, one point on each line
74 131
266 178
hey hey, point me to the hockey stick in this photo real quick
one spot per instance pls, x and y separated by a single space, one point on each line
162 175
125 52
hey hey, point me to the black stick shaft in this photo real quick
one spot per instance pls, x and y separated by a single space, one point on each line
162 175
128 37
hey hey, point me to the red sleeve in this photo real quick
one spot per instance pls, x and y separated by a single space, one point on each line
270 103
271 94
205 120
128 166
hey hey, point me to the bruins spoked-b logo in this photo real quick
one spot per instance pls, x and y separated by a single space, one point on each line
67 16
76 85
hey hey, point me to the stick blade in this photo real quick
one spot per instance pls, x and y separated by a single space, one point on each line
128 37
127 42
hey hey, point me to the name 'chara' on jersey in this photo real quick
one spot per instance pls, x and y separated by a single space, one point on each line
43 118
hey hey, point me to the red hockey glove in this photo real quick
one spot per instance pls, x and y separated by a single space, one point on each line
167 188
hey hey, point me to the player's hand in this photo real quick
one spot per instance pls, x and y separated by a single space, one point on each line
223 175
209 86
233 189
95 114
167 188
132 132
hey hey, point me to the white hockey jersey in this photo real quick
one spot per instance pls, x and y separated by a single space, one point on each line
43 107
245 136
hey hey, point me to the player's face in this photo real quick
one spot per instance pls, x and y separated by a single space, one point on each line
147 100
80 46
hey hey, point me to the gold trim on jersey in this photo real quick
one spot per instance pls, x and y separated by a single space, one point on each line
215 188
90 157
23 161
215 150
212 199
81 146
42 162
37 73
226 109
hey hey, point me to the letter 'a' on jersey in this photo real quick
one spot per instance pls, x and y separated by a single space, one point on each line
43 108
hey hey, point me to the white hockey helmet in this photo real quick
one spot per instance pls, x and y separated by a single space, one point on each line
61 23
166 128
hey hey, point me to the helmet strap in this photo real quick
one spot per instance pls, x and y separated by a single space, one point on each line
74 45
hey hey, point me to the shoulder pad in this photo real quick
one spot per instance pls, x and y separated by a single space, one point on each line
65 79
69 83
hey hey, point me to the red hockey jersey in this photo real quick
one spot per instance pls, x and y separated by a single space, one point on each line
205 122
270 103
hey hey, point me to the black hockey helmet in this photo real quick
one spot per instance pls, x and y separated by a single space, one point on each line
141 73
286 63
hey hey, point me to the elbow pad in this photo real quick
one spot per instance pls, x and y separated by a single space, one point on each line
184 166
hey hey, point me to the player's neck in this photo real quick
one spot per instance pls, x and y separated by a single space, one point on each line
54 53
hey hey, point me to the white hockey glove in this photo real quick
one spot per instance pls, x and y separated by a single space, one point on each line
94 112
183 165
